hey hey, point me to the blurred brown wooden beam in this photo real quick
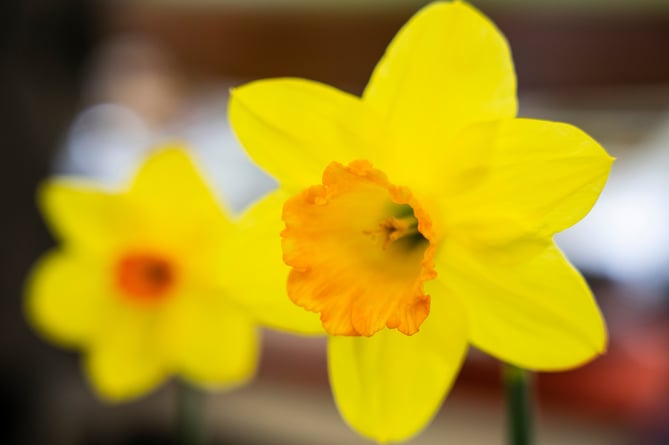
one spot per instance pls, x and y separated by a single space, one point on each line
341 48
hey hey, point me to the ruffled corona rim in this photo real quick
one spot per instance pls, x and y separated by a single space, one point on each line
360 249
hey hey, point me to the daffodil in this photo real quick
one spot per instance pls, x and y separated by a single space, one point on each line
418 219
139 282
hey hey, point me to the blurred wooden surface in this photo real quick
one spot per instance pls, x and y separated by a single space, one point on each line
341 48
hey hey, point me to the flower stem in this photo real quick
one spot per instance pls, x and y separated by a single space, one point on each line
517 383
190 412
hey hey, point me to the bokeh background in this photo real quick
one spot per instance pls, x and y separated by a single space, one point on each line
87 87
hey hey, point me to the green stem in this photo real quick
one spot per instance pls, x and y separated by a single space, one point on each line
517 383
190 412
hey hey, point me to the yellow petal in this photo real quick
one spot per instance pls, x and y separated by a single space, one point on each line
125 359
448 67
66 297
538 178
258 274
293 128
538 314
82 214
389 386
171 200
211 341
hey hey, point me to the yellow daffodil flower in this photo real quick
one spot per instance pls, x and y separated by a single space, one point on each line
419 218
139 281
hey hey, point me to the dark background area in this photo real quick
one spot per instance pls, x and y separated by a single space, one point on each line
44 46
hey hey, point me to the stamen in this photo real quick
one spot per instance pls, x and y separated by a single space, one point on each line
394 228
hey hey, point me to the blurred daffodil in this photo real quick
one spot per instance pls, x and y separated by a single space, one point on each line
419 218
139 281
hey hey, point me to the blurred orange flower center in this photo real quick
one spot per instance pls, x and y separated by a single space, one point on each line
360 249
144 276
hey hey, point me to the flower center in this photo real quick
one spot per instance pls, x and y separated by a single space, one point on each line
144 277
397 227
360 249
